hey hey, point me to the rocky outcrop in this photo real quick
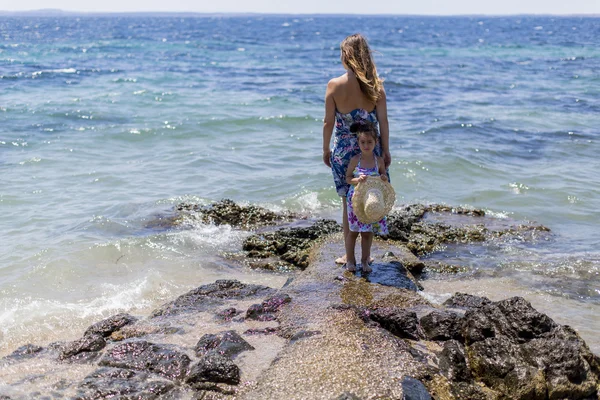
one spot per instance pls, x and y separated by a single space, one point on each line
506 347
291 245
326 333
227 212
106 383
210 296
145 356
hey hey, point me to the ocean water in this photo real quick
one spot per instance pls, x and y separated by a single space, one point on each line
106 122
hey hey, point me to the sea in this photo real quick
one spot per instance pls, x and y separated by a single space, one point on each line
107 122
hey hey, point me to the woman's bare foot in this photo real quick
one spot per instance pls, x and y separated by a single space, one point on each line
342 260
350 267
366 267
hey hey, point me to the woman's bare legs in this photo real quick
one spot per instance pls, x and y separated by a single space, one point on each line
366 240
346 229
350 256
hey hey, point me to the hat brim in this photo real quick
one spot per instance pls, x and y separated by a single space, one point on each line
360 195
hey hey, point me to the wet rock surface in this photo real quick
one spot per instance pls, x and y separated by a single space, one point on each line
209 296
227 212
524 354
24 352
145 356
228 344
267 309
327 333
291 245
391 272
107 383
83 350
425 228
216 368
109 325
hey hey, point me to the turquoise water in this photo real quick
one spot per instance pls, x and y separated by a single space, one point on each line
107 122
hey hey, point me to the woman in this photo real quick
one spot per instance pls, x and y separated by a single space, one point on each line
357 95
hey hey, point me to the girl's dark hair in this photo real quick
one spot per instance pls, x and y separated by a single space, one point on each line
365 127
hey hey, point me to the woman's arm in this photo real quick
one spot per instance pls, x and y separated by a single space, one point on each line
384 128
328 122
382 171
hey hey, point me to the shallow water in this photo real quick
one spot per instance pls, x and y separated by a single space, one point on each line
107 122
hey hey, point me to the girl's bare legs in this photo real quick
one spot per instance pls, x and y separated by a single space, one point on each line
350 256
342 260
366 240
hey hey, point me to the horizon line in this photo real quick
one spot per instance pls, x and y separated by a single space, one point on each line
56 12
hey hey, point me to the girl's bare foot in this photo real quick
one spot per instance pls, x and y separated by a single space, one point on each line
342 260
366 267
350 267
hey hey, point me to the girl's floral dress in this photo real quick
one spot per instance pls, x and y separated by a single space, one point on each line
353 222
345 145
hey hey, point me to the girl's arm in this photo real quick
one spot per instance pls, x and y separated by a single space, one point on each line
382 171
384 128
350 179
328 122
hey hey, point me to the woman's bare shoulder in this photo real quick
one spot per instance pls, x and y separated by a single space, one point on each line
340 80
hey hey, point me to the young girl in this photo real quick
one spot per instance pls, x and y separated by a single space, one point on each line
366 163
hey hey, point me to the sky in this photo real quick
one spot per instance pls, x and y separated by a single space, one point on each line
419 7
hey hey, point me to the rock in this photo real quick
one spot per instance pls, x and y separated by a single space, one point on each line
261 331
227 343
266 310
150 357
464 300
513 318
211 295
474 212
109 325
121 383
400 322
83 350
400 221
443 268
441 325
453 363
216 368
514 349
427 237
496 363
392 273
227 314
290 245
24 352
227 212
413 389
566 363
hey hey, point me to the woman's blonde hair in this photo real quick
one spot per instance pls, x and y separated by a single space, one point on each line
357 56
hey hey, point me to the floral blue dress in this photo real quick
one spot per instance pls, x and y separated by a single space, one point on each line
353 222
345 145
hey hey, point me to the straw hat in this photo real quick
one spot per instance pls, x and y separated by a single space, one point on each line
373 199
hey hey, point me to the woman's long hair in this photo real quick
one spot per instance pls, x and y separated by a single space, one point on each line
357 56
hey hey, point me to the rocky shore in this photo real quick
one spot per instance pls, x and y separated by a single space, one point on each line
326 334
